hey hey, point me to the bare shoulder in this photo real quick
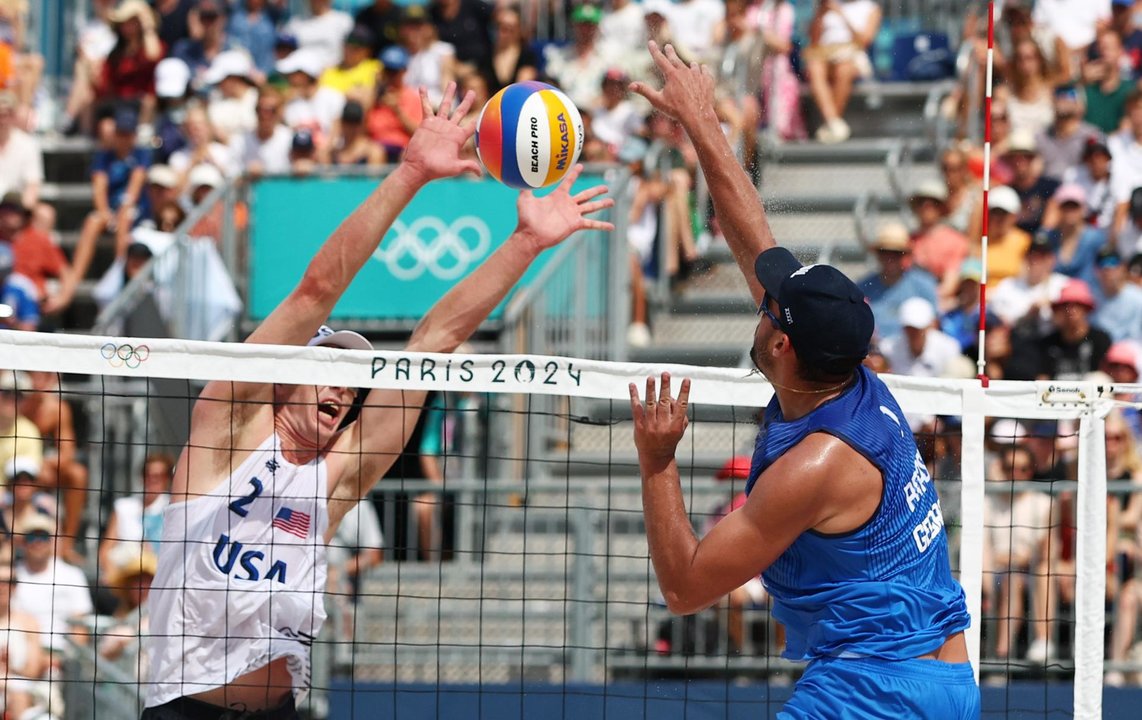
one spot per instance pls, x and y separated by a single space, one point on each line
223 432
838 487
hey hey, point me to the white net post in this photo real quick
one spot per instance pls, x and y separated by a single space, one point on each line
971 514
1090 565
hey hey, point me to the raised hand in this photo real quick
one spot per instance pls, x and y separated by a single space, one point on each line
659 425
549 220
434 149
687 92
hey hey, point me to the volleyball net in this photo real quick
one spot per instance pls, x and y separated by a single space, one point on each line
511 577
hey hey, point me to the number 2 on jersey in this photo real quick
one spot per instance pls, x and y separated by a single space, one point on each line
238 506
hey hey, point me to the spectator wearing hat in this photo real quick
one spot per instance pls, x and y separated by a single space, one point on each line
351 145
1028 295
920 349
431 62
936 247
37 257
172 89
129 581
201 49
1123 363
50 589
312 107
1106 88
284 46
1007 243
323 31
1074 347
302 153
21 161
1076 242
1119 301
1093 176
251 26
895 281
128 75
466 25
962 320
382 18
265 149
1027 180
19 436
25 494
1061 145
201 181
513 59
355 76
117 178
234 95
578 68
398 109
201 147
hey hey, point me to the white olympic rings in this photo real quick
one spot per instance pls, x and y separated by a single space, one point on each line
421 246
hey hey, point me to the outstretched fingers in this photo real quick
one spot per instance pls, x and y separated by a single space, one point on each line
636 409
591 192
446 101
464 106
596 206
570 178
425 105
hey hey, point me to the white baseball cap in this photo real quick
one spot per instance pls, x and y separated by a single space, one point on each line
205 175
172 76
305 60
163 176
22 464
1004 198
916 312
344 339
230 63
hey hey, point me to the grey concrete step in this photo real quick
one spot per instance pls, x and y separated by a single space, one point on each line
848 180
67 160
856 150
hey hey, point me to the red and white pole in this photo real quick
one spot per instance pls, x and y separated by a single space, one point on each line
980 363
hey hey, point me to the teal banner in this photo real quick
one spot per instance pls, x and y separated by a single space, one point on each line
447 230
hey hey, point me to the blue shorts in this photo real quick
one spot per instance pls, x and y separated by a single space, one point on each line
874 689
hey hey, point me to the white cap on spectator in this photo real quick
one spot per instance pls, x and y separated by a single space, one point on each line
231 63
15 380
172 76
22 464
657 7
163 176
1022 142
305 60
933 189
32 521
205 175
916 312
1004 198
1007 429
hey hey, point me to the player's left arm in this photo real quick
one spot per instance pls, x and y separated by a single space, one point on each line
797 493
389 416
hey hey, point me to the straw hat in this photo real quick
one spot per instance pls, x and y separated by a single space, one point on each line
130 562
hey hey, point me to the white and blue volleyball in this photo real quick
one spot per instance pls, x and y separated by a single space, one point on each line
529 135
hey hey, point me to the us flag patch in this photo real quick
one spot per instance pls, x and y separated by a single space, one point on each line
292 521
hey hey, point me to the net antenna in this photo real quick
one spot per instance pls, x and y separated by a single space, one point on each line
981 366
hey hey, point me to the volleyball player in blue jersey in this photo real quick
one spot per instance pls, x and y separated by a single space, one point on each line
842 519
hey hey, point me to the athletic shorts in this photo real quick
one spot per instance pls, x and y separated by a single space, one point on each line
874 689
185 708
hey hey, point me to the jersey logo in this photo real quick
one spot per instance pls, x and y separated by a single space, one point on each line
802 270
272 465
890 414
293 522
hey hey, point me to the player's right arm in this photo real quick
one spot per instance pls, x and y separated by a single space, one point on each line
687 95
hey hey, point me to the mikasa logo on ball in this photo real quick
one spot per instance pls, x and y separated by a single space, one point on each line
565 143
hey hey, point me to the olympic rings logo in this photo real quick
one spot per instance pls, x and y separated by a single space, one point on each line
125 355
446 251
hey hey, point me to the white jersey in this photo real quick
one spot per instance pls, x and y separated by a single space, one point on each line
241 577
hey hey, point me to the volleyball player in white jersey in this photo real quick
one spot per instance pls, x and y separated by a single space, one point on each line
270 470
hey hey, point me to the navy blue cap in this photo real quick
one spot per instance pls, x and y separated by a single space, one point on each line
394 58
303 140
126 120
286 40
822 311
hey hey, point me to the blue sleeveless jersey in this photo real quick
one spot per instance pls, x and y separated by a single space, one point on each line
883 590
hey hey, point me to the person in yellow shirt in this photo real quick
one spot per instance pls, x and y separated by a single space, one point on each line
356 75
19 436
1007 244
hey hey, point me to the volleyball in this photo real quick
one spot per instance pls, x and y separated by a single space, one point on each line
529 135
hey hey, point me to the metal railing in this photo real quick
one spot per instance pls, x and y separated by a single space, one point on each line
178 278
579 305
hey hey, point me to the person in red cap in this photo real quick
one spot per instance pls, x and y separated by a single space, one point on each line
842 519
1074 347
